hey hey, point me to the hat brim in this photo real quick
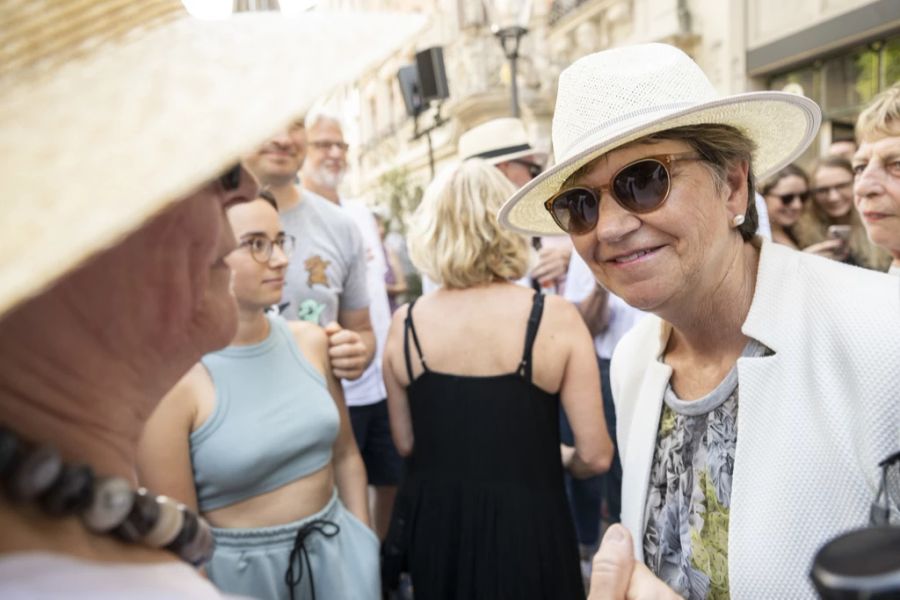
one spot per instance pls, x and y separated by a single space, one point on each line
95 148
782 126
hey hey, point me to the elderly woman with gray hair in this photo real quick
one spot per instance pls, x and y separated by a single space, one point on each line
753 410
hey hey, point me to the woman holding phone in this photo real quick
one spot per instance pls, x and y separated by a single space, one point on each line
830 226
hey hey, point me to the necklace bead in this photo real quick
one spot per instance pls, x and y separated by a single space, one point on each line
106 505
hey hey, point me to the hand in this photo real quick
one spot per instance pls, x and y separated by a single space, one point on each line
346 351
833 249
617 576
553 262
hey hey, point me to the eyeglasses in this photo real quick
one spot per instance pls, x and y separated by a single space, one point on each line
261 247
326 145
789 198
534 169
230 180
888 491
825 191
639 187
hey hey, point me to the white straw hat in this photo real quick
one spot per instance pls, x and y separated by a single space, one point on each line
617 96
497 141
112 109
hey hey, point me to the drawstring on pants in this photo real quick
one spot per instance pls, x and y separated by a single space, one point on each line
300 554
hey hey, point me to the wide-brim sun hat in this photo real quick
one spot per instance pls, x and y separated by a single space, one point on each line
497 141
112 109
611 98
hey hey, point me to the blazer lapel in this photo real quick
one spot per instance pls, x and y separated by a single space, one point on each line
641 446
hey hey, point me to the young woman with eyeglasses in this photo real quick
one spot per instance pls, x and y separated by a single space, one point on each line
257 437
830 225
786 194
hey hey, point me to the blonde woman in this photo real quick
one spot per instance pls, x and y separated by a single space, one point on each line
832 205
876 167
475 373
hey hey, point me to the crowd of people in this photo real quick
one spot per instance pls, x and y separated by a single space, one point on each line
663 366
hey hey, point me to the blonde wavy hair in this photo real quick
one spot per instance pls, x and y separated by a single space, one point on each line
882 116
454 237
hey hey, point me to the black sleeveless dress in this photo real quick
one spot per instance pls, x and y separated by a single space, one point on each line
482 513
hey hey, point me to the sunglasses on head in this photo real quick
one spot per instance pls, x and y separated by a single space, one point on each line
534 169
789 198
230 180
639 187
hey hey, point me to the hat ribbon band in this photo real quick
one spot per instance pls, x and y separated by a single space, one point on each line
662 108
501 151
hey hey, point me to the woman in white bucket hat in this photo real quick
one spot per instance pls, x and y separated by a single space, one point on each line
121 127
754 408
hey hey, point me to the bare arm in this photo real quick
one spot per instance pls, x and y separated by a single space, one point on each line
351 343
399 287
595 310
349 470
582 401
398 404
164 454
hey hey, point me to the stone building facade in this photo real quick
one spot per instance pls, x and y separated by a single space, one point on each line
838 52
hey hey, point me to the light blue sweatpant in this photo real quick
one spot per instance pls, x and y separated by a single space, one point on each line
342 558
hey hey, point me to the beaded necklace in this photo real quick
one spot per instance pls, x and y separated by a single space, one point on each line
106 505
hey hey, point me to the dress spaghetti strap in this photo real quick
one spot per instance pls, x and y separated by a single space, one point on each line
407 328
534 321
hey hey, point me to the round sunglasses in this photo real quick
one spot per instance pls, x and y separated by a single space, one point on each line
640 187
787 199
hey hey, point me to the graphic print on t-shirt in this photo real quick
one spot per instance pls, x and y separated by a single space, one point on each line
310 310
315 270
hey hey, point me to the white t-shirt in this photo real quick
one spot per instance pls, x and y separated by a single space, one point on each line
580 283
369 388
42 576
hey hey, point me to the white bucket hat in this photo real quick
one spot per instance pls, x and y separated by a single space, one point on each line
112 109
497 141
617 96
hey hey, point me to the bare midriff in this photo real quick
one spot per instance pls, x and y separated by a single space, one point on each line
291 502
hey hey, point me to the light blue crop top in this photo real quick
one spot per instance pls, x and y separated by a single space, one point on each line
274 421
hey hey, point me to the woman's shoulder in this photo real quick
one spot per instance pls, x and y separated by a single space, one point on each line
308 336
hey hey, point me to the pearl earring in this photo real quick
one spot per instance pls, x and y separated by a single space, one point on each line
738 220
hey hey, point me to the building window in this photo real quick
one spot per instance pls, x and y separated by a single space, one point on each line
842 85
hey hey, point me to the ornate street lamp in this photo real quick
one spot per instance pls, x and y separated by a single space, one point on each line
509 22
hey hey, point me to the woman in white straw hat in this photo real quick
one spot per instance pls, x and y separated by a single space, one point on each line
121 124
754 408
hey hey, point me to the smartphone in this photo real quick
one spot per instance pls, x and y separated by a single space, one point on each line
842 233
839 232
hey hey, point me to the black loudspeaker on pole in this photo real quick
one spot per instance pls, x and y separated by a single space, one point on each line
408 77
432 75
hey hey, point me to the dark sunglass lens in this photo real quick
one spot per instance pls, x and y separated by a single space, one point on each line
576 210
534 170
231 179
641 187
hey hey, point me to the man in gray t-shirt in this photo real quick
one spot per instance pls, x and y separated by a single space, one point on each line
326 276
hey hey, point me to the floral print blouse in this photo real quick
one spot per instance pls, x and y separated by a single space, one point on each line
688 499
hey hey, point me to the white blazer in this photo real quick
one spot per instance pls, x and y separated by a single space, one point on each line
814 419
